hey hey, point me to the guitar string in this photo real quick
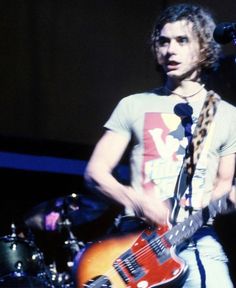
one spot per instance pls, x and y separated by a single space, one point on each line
191 229
145 250
142 252
138 254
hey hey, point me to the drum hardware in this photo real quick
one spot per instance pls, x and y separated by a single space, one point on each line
21 262
13 230
55 277
71 247
60 269
71 244
19 272
59 280
75 212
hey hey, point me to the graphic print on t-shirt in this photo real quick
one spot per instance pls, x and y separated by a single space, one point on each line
164 148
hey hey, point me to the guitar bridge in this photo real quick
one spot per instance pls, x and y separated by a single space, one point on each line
127 265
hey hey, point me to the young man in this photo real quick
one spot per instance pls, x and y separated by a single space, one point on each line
160 125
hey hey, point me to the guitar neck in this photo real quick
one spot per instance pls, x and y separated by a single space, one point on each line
187 228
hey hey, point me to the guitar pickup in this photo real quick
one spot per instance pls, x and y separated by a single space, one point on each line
157 245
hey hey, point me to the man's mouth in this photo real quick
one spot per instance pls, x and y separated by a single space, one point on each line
172 65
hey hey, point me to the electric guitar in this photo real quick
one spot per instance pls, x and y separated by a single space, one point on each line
146 259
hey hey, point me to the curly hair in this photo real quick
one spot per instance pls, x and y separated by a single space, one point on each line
203 27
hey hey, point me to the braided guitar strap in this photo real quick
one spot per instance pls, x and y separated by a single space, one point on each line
195 148
201 130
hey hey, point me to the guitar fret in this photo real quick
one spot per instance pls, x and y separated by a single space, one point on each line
187 228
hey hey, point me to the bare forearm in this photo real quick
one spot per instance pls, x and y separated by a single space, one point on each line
143 203
221 188
107 184
225 175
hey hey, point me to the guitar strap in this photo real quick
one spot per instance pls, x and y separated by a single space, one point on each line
194 150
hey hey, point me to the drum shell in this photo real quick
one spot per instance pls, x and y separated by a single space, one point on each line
25 282
18 252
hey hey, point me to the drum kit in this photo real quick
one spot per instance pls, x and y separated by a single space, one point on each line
23 263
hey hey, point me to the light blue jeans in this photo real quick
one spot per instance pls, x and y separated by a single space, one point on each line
208 264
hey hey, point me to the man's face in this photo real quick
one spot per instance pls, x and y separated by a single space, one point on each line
179 50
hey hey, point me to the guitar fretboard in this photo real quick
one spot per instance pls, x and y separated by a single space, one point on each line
187 228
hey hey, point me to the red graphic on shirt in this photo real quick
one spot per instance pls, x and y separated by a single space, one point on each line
160 146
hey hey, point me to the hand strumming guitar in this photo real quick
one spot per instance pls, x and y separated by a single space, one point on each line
148 205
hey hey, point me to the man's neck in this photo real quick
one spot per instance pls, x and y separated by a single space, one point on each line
188 90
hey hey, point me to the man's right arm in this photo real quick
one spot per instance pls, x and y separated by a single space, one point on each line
104 159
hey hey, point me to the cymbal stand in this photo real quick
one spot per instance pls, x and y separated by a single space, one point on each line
71 245
65 225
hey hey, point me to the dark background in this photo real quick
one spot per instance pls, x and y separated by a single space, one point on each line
64 66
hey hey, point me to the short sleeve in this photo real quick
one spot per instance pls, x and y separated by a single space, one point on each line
229 120
120 118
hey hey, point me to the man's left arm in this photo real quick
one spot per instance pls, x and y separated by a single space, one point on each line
224 179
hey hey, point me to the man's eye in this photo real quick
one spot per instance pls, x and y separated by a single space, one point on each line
182 40
163 41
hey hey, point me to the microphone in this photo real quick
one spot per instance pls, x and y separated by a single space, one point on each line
225 32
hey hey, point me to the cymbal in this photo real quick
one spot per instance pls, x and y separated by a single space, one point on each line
79 209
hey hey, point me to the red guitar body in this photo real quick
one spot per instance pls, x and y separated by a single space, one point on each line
141 260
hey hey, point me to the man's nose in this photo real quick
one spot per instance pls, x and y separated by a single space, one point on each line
172 47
